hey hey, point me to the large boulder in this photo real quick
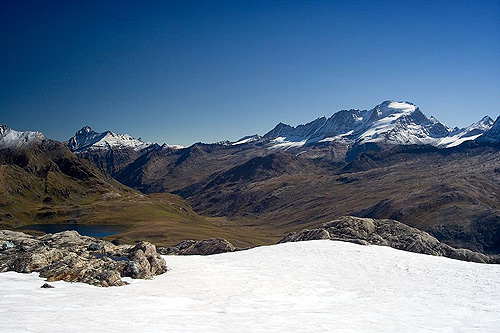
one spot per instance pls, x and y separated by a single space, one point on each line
384 232
144 262
202 247
71 257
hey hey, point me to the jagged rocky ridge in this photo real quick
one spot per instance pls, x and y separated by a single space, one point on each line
385 232
71 257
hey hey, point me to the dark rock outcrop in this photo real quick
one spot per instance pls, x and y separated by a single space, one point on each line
71 257
203 247
384 232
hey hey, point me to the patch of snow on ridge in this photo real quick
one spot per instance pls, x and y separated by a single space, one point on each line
285 143
336 138
242 142
123 140
176 146
246 139
292 287
457 140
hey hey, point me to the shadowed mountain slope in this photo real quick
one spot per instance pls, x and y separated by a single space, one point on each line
451 193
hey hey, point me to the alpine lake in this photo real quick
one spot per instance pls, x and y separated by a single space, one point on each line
92 230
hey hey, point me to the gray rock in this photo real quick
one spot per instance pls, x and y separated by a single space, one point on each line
385 232
6 245
71 257
203 247
132 269
145 262
47 286
95 247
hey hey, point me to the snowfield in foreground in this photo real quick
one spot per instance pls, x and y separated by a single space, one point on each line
292 287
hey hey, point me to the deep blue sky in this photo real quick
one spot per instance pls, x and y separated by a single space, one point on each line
187 71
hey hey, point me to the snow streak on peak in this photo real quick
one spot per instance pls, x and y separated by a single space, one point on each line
247 139
10 138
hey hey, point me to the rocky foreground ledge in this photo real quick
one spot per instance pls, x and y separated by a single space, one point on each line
71 257
386 232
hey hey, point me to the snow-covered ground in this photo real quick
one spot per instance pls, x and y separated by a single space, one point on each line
313 286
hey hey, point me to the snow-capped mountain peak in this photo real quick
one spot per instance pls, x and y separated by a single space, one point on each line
390 122
493 133
10 138
485 123
85 129
86 138
402 123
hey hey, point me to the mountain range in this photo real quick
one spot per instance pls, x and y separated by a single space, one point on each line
396 123
388 162
339 139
